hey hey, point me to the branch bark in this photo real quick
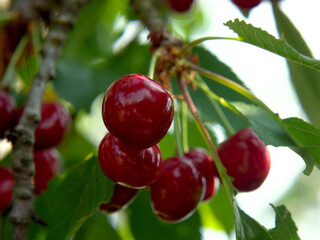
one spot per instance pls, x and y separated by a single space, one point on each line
22 136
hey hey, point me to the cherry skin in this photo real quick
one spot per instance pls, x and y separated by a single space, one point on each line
47 162
122 196
206 166
55 121
137 110
6 186
246 4
178 190
246 159
180 5
131 167
7 112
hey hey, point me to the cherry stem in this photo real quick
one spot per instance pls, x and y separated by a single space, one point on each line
177 131
221 169
185 49
184 126
230 84
194 112
153 64
9 73
214 99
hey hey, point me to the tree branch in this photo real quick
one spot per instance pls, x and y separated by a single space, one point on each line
23 135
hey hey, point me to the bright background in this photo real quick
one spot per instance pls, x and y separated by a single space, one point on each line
267 76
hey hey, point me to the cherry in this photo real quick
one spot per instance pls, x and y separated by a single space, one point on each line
47 163
122 196
180 5
7 112
6 186
178 190
137 110
206 166
246 159
129 166
246 4
55 121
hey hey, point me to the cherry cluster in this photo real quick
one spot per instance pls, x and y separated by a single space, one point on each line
55 121
138 113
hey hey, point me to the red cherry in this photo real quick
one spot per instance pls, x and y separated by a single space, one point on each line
6 186
137 110
246 4
129 166
178 190
180 5
47 163
246 159
122 196
7 112
205 165
55 120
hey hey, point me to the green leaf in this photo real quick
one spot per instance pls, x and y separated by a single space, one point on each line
306 136
71 199
218 212
262 39
285 227
305 80
247 228
145 225
97 227
80 83
201 100
268 129
295 133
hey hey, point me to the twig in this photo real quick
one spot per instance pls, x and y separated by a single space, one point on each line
23 135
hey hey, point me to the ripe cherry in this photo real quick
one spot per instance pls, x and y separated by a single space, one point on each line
180 5
55 121
246 4
6 186
129 166
7 112
206 166
246 159
178 190
137 110
122 196
47 163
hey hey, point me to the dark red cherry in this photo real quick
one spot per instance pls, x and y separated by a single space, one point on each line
246 4
137 110
178 190
6 186
180 5
55 121
206 166
246 159
47 163
122 196
7 112
129 166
